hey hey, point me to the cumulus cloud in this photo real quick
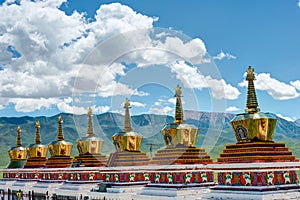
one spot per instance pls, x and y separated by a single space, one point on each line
276 89
232 109
100 109
163 110
172 100
223 55
194 50
66 105
49 63
50 56
192 78
29 104
163 106
296 84
298 3
26 105
286 118
137 104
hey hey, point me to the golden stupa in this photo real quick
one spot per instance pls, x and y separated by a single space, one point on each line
89 147
60 150
37 152
127 140
127 144
253 125
17 154
180 139
178 133
254 132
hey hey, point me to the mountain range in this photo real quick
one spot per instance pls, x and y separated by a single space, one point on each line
214 130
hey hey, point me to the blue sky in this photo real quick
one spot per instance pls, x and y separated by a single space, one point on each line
46 44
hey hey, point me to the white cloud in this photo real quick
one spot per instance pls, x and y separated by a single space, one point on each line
30 105
66 106
286 118
162 106
223 55
296 84
26 105
192 78
194 50
298 3
232 109
137 104
276 89
172 100
140 93
100 109
50 56
118 111
161 110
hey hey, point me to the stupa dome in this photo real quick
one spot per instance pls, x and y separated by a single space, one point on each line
18 152
60 147
37 149
253 125
90 143
179 133
127 139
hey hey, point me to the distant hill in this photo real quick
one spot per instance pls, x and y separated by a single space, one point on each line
214 130
297 122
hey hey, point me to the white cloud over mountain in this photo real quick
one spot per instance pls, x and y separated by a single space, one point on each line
162 110
45 53
232 109
277 89
192 78
137 104
47 56
51 46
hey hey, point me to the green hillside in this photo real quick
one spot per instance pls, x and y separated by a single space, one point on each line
214 130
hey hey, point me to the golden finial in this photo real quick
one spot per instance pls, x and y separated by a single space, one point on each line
90 112
178 92
60 135
19 144
250 74
127 122
252 105
178 109
127 103
90 130
37 133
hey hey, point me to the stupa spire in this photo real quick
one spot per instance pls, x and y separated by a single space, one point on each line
127 121
60 135
252 105
90 130
19 144
37 133
178 109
